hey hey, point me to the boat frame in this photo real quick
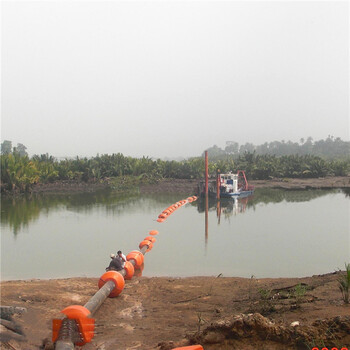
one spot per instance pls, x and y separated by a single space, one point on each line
234 185
231 186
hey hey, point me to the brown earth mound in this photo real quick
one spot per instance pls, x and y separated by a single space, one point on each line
252 331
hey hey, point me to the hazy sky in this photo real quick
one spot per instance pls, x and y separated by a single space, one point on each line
171 78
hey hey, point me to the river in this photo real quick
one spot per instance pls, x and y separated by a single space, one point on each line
275 233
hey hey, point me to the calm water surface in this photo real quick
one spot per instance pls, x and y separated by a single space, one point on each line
273 234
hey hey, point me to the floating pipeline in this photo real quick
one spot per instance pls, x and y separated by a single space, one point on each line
168 211
77 327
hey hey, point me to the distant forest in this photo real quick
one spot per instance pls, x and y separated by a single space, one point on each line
307 159
328 148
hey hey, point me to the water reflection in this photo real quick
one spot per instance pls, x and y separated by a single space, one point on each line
18 212
265 196
247 236
228 207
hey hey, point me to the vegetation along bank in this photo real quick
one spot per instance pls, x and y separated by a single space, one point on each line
278 160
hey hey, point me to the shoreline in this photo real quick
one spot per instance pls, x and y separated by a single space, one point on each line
33 279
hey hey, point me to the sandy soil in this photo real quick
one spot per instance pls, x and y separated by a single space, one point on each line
216 312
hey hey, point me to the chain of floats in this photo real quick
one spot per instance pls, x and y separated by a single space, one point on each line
168 211
78 326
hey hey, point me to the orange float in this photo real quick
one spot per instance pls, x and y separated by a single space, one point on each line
137 256
147 243
150 238
86 324
118 280
129 270
166 212
153 232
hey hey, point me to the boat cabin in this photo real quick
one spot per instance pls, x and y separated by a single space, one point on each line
228 183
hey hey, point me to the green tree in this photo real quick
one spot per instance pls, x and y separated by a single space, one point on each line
231 147
21 150
6 147
215 151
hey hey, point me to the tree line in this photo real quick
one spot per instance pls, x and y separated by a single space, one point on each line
19 172
331 147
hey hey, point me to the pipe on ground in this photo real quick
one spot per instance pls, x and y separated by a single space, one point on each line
66 340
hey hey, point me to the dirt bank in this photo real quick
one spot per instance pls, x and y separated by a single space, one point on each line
190 186
217 312
322 182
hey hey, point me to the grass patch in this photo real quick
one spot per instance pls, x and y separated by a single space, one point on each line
299 293
344 284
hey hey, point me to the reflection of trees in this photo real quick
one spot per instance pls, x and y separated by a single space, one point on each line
268 195
18 212
346 191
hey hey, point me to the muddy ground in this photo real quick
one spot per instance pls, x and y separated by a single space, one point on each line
217 312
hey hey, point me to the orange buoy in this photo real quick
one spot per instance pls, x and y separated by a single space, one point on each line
85 323
162 216
118 280
150 238
137 257
146 243
153 232
76 311
160 220
129 270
